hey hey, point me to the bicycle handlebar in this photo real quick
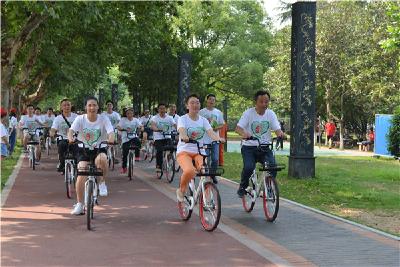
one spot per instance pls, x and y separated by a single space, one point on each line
32 132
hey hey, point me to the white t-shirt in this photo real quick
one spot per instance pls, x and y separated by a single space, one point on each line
61 126
29 122
259 126
146 122
215 118
49 120
176 118
92 133
114 118
165 124
3 132
130 126
196 130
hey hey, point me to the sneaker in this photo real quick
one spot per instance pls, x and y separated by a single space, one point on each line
103 189
78 209
123 170
179 195
241 192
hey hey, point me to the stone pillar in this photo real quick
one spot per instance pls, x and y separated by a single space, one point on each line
301 159
184 82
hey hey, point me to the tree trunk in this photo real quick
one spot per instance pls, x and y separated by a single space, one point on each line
341 122
9 50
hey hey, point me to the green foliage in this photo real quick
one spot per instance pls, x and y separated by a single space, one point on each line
394 134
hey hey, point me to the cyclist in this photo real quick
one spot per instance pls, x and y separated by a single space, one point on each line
216 119
146 122
161 123
114 118
257 122
48 119
193 126
131 125
32 122
61 125
172 113
92 129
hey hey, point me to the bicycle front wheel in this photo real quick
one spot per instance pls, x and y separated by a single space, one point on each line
130 166
89 204
271 198
210 207
184 207
248 200
170 168
33 159
68 180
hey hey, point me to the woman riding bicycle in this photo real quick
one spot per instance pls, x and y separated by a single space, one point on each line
130 124
92 129
257 122
191 126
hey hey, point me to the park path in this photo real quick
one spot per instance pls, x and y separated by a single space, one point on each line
138 225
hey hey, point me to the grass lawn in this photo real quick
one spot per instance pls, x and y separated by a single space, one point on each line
363 189
8 164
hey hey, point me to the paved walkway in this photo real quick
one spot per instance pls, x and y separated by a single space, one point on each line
234 146
138 225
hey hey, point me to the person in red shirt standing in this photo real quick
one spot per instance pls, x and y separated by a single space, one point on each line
330 129
371 139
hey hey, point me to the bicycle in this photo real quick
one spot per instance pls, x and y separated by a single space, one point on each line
111 157
149 150
91 186
268 187
206 193
174 138
168 165
131 153
31 146
70 170
47 143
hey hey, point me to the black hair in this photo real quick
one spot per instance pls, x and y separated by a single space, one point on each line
65 99
161 104
50 109
261 92
30 105
37 108
109 101
210 95
91 98
190 96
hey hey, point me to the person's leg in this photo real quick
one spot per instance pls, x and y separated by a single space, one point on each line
62 149
80 182
12 140
25 139
101 162
268 157
281 141
249 163
184 160
158 145
136 141
125 151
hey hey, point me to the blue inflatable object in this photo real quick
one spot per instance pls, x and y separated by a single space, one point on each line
382 125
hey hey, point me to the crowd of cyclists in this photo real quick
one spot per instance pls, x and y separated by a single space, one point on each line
85 135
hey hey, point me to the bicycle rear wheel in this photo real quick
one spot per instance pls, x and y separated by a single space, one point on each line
248 200
271 198
170 168
89 204
184 207
210 207
68 180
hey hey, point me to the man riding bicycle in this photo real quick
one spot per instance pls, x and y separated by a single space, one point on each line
92 129
61 125
161 124
257 122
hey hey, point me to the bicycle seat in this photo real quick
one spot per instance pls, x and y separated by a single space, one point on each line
33 143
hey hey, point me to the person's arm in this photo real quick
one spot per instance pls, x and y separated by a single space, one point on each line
183 134
214 136
241 125
154 126
111 137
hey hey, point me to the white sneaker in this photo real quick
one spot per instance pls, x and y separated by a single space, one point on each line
78 209
103 189
179 195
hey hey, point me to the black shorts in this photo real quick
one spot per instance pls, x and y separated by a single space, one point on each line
82 156
330 137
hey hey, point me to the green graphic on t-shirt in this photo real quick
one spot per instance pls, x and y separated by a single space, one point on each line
64 128
258 128
164 126
196 133
91 136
